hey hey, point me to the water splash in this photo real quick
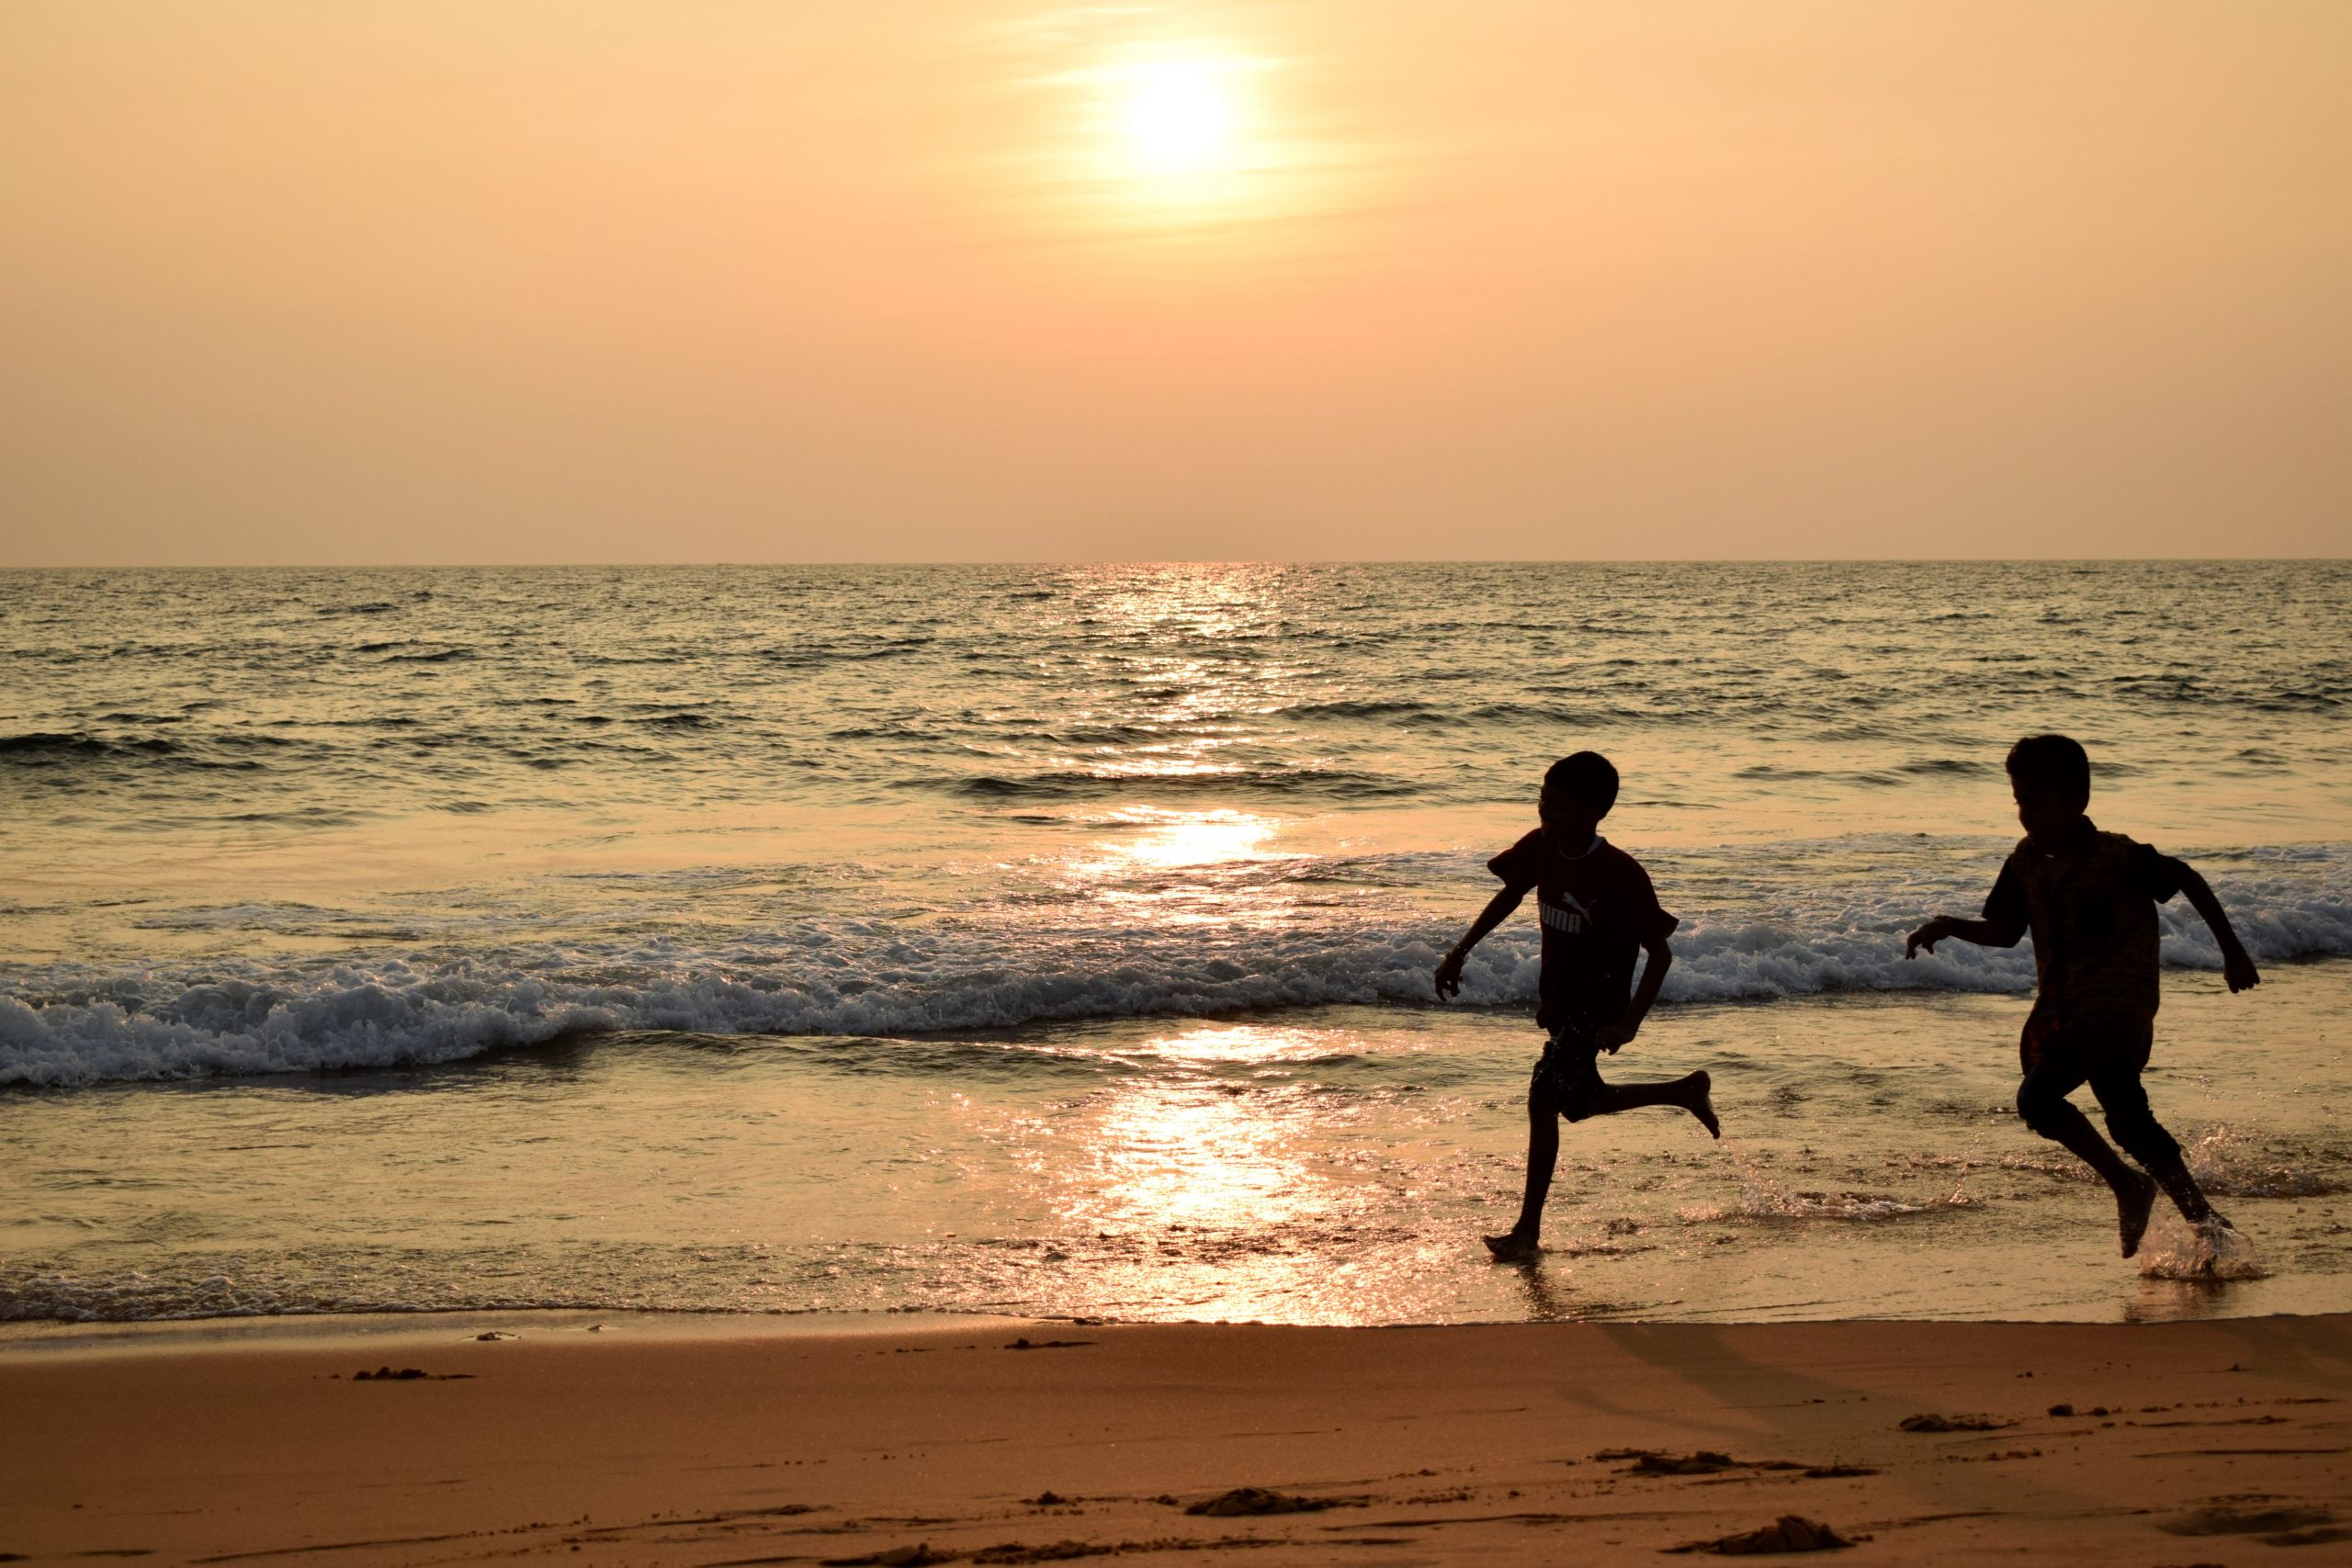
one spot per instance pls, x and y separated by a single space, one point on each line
2227 1162
2175 1249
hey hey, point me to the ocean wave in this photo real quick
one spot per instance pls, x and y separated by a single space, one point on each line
849 978
73 751
1365 708
1964 766
47 747
1081 784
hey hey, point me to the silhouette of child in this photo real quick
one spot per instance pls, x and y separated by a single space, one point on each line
1598 910
2090 900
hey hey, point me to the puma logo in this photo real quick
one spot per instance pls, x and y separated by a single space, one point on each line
1568 914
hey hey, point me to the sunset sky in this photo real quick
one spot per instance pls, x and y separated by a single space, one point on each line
558 280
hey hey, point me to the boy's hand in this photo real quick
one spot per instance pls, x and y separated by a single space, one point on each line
1927 936
1608 1036
2238 969
1449 975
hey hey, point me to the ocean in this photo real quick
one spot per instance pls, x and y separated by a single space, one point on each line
1058 940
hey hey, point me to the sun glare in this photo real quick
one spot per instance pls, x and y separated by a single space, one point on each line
1181 146
1180 115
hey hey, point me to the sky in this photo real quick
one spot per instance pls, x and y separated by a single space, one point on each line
446 281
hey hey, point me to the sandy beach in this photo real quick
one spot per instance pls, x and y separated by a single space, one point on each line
996 1441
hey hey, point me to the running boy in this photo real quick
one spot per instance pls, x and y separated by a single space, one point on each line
1598 909
2090 900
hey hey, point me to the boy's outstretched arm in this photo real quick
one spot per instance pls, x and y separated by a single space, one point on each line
1660 958
1984 933
2237 967
1497 910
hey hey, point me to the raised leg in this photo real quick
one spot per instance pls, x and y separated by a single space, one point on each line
1692 1092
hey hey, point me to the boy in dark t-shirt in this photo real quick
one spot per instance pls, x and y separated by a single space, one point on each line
2090 900
1598 911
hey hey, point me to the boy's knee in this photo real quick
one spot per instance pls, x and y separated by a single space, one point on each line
2039 1110
2044 1113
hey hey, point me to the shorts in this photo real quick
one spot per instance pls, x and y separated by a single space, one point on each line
1568 1077
2108 1052
2112 1043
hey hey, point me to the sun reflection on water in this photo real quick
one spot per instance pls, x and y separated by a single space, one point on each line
1171 839
1188 867
1203 1163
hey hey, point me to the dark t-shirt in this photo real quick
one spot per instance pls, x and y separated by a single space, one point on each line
1598 908
2091 908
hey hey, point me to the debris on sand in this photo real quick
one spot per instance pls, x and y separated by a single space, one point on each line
1025 1343
1706 1461
1063 1551
2245 1521
1953 1424
406 1374
1787 1533
896 1557
1260 1500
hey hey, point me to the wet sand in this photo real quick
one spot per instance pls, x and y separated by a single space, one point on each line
989 1441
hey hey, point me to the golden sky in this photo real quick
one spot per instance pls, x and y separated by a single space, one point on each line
562 280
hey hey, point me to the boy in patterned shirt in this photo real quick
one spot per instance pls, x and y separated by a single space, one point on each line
2090 900
1599 910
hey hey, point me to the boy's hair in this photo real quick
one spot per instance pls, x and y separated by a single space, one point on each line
2055 762
1587 778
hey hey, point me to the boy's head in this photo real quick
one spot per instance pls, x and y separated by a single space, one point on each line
1578 793
2051 777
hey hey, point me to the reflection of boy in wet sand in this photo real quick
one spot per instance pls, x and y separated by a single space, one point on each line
1598 910
2090 900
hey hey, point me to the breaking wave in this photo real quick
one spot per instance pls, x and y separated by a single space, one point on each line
72 1025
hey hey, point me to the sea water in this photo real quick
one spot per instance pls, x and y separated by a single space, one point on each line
1058 940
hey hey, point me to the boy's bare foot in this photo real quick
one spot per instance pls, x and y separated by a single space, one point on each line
1512 1247
2132 1209
1702 1105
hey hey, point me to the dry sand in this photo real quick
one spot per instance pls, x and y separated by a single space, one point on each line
2217 1442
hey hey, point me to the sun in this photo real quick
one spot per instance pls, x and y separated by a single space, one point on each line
1179 116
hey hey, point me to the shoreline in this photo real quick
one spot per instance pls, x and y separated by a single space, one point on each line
430 1327
1022 1440
435 1326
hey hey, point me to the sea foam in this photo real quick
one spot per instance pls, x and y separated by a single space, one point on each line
69 1025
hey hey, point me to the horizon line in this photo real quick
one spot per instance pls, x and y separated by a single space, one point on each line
1169 560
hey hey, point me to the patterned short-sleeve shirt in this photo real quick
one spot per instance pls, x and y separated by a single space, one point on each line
1598 909
2091 905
